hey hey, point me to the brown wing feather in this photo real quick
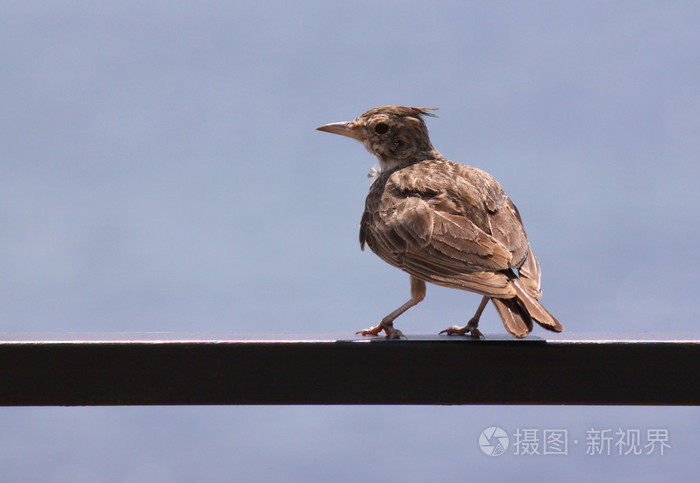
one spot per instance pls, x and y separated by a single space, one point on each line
433 224
530 275
507 227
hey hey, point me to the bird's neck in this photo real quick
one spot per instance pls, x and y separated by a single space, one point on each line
387 163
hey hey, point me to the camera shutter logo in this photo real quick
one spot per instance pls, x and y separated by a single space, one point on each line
493 441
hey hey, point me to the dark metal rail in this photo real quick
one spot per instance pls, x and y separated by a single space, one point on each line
190 369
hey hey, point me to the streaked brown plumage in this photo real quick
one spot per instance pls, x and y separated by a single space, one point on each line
445 223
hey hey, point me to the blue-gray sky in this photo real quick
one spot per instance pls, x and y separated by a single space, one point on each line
160 171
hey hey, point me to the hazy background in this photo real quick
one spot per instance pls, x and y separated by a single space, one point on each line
160 171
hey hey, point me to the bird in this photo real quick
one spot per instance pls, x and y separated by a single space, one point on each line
444 223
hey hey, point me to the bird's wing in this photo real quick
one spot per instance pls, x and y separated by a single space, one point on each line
449 226
507 227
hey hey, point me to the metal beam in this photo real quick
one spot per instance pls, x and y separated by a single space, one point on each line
192 369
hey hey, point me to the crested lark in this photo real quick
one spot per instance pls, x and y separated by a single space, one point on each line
445 223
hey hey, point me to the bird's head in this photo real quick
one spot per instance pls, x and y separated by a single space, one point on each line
397 135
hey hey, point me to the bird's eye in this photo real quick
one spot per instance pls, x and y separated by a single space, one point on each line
381 128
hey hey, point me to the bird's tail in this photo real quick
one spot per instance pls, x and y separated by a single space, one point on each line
515 318
517 313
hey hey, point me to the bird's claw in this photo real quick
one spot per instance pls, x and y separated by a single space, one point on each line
476 334
454 330
391 332
395 334
457 330
370 331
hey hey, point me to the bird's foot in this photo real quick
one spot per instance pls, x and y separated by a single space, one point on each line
470 328
391 332
455 330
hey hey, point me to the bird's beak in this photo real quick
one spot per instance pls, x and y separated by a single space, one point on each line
342 128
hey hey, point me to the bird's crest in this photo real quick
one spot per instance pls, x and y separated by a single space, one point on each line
402 111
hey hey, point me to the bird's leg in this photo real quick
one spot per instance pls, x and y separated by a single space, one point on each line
387 323
473 323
